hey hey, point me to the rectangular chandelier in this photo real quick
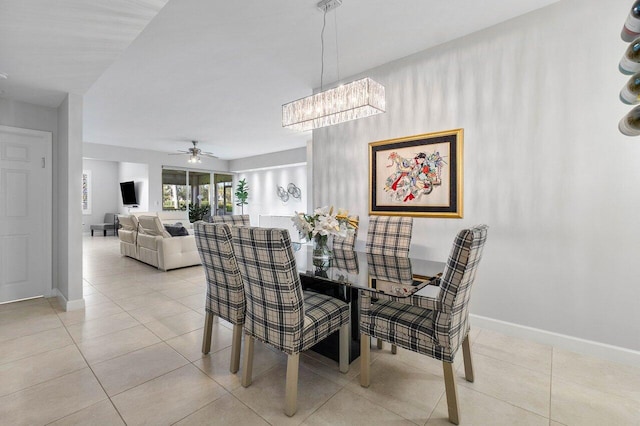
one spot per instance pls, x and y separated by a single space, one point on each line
358 99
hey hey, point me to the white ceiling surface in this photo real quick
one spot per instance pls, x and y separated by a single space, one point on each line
216 71
50 48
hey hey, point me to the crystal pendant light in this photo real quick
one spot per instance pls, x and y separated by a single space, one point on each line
358 99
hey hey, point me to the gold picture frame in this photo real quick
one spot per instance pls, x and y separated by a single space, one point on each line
420 175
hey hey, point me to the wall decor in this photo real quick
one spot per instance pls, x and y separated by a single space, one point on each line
417 175
283 194
86 192
294 191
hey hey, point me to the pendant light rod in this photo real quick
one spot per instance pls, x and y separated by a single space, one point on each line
358 99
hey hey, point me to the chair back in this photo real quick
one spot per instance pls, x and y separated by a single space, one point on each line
346 260
225 293
275 304
235 219
348 242
389 235
110 218
452 322
390 268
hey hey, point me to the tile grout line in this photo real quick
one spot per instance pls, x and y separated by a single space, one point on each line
551 383
443 395
373 361
97 380
341 387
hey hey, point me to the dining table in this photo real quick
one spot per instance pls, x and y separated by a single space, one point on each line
345 273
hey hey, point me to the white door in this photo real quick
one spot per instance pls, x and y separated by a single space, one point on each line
25 213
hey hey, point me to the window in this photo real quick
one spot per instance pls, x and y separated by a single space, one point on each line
175 192
181 187
224 186
199 187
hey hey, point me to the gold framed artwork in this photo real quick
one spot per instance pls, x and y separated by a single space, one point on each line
417 175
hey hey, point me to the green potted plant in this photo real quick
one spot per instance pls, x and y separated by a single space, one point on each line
198 211
242 193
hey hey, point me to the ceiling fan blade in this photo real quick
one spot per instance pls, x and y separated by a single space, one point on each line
208 154
178 153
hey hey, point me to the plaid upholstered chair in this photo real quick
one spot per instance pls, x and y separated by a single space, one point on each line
225 294
346 260
348 242
434 326
235 219
389 235
279 313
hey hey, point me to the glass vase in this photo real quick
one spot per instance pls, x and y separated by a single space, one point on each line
321 253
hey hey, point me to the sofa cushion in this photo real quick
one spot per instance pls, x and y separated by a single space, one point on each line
176 230
151 225
127 236
128 222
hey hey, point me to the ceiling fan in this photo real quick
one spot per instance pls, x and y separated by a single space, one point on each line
195 153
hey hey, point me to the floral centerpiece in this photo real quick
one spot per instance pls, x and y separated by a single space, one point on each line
323 222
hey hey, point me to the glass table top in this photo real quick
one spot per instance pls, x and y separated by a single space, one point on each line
397 276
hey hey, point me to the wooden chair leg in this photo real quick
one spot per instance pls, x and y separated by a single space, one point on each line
235 348
344 348
379 343
291 390
468 362
394 349
247 367
365 360
206 337
452 392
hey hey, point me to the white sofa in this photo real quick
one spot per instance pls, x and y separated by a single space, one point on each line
144 238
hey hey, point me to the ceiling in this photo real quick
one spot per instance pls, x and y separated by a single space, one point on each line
210 70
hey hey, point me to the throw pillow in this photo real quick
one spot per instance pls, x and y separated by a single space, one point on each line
176 231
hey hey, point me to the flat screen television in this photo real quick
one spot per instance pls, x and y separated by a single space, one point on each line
128 190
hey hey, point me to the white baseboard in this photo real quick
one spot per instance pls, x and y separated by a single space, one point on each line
68 305
574 344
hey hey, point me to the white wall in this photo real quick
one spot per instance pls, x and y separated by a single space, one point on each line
139 174
154 161
105 191
263 197
274 159
545 166
67 215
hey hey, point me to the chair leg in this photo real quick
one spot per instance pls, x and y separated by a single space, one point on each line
365 360
468 362
235 348
394 349
452 392
247 367
291 390
379 344
92 232
104 232
344 348
206 337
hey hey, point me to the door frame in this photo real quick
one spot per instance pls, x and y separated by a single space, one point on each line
47 205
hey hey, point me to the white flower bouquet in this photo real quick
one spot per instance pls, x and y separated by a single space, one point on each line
323 222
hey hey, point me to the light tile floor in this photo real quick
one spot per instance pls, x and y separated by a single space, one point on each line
132 356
